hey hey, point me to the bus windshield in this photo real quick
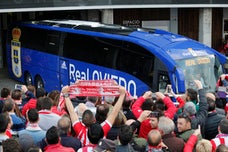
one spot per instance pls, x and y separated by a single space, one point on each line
199 68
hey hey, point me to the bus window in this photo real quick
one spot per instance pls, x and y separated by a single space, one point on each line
95 50
33 38
53 42
163 82
160 75
40 40
136 61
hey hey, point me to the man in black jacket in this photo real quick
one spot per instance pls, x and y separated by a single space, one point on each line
213 119
199 117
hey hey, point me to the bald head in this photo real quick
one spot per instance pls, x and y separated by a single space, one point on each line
80 109
211 96
154 138
211 101
64 122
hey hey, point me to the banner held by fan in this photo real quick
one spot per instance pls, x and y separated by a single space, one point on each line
94 88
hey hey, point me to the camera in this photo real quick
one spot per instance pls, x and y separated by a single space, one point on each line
18 86
154 97
191 83
154 114
169 88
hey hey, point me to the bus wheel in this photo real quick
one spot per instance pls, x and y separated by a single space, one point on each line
28 79
39 82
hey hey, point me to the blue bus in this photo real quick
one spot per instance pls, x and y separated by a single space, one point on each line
55 53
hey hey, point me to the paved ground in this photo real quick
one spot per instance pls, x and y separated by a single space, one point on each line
5 81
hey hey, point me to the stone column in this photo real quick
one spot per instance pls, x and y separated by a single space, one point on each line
205 26
174 20
107 16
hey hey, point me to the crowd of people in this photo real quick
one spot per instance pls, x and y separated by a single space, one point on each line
32 120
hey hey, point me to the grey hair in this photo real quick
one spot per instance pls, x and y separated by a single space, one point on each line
63 125
166 125
190 108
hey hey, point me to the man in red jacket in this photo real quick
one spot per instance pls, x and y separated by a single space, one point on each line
40 92
152 123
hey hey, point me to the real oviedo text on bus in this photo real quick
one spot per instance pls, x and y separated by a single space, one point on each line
55 53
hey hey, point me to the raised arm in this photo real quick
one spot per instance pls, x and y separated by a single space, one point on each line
144 115
179 100
136 107
112 116
171 108
203 105
69 105
223 79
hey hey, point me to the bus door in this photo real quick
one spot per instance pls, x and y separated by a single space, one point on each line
163 81
63 63
64 72
161 78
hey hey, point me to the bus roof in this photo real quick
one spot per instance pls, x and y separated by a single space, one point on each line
90 26
158 37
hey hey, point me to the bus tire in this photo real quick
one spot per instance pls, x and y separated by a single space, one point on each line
28 79
39 83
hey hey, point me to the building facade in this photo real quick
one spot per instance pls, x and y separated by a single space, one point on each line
202 20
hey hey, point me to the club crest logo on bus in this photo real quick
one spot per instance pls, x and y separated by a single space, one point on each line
16 52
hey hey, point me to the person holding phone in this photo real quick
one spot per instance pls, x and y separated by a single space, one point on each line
152 122
177 100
